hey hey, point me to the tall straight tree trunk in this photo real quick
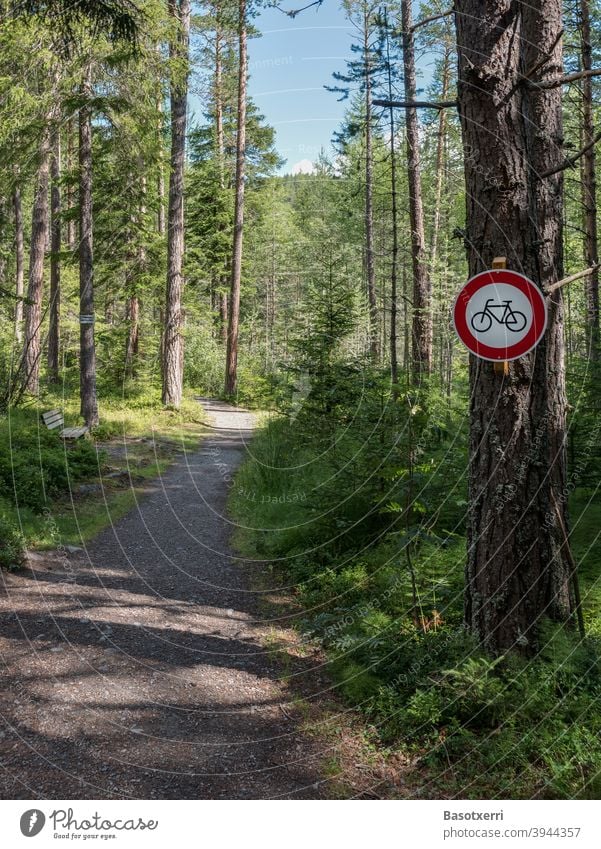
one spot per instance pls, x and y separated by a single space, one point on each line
422 289
589 184
440 148
231 365
35 288
71 133
19 262
394 365
369 192
161 174
55 263
173 343
218 95
518 563
87 349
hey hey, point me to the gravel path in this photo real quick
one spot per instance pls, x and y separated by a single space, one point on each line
137 669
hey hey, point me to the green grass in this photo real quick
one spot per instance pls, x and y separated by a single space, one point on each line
40 476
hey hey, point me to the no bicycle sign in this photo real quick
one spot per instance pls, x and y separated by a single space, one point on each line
500 315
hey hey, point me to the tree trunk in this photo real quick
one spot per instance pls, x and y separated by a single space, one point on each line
440 145
87 349
518 565
173 343
133 334
422 320
369 204
231 367
218 94
19 262
394 366
35 288
161 175
71 132
589 185
55 263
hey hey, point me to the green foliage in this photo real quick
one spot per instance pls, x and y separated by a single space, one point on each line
36 465
12 544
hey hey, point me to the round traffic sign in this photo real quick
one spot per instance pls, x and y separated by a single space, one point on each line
500 315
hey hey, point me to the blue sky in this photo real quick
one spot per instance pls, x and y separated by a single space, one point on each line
289 65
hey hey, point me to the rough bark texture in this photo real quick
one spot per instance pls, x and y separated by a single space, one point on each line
87 349
422 287
19 262
231 367
55 264
35 288
518 570
369 194
173 343
589 183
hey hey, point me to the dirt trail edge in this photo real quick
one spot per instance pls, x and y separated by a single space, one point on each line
136 668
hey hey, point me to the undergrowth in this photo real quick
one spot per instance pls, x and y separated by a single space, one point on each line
360 503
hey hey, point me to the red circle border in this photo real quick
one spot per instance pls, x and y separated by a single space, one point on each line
527 287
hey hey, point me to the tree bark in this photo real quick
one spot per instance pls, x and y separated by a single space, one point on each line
231 367
369 191
55 263
87 349
173 343
518 565
440 144
35 288
133 334
161 175
422 288
589 185
19 262
220 139
71 133
394 365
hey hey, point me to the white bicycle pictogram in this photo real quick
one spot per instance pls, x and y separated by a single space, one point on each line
513 320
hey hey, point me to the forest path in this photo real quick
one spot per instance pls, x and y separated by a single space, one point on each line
137 668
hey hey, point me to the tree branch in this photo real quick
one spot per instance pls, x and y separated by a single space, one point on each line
565 79
555 286
415 104
570 161
431 19
525 77
292 13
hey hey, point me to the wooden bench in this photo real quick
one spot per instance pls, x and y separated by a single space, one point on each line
54 418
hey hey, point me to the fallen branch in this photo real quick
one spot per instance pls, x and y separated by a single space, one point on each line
570 161
415 104
578 276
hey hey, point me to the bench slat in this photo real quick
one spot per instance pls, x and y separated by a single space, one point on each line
74 432
53 418
57 423
51 413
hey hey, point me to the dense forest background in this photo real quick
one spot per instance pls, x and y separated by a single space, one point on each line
146 259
